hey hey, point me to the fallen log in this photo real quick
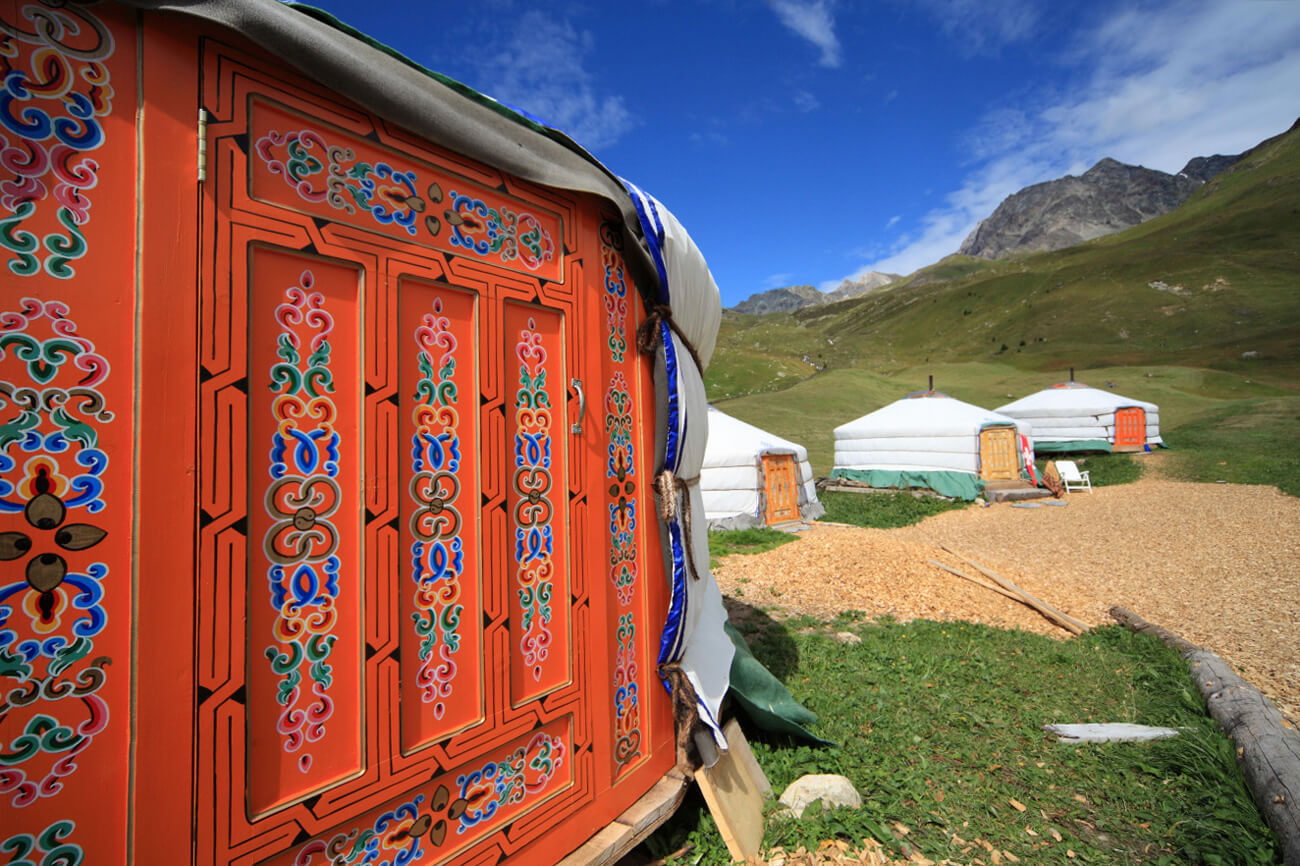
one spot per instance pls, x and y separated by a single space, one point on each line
1268 752
1067 621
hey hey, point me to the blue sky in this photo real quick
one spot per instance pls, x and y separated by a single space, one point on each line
809 141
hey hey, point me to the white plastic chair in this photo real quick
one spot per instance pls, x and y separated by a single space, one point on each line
1072 478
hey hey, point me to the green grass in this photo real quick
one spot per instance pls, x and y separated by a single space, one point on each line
1246 442
746 541
882 510
939 726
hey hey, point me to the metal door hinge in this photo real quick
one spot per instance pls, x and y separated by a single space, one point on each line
203 145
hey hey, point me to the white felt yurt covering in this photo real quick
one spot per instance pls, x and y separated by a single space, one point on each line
1071 416
926 440
732 476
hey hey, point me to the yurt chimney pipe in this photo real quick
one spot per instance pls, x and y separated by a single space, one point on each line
1071 374
931 383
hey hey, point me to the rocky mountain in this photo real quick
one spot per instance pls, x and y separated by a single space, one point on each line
791 298
1107 198
783 300
856 288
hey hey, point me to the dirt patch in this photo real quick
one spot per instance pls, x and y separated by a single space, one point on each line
1218 564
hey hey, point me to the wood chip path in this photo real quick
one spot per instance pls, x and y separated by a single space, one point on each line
1218 564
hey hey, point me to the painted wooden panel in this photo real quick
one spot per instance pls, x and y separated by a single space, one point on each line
441 606
538 511
304 568
626 610
779 483
309 166
68 213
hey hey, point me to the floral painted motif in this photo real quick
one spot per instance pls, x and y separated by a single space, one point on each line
498 231
525 773
533 510
622 502
333 174
50 847
51 586
437 559
304 494
611 243
476 802
54 93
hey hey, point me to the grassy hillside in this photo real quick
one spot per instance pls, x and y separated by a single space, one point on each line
1197 287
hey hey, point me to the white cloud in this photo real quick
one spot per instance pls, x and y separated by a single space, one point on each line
1156 87
813 20
806 102
983 26
891 96
893 220
777 281
540 70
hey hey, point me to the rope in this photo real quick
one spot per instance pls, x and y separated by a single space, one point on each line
669 489
648 334
685 715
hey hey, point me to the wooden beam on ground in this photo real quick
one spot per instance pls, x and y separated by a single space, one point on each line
1268 752
993 586
1070 623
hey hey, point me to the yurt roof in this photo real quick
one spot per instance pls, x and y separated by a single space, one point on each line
925 413
1073 398
732 442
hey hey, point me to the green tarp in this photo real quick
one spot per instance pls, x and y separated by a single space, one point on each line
764 698
1071 445
958 485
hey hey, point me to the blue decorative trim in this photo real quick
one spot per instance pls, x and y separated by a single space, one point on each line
653 229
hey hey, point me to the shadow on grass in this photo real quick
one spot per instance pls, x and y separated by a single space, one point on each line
769 639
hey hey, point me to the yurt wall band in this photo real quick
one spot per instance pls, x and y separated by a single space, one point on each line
342 519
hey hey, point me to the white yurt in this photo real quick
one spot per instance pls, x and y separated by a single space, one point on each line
931 440
751 477
1070 416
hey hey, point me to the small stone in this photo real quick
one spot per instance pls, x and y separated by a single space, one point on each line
847 637
831 789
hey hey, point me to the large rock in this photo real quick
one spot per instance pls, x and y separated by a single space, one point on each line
832 790
1107 198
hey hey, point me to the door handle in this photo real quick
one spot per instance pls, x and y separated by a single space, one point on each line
582 405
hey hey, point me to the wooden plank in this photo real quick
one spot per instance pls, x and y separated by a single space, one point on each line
737 743
636 823
735 796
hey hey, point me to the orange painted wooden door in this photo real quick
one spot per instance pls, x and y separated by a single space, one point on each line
424 628
999 454
1130 427
781 488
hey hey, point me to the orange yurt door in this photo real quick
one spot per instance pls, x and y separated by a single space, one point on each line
781 488
1130 428
424 629
999 454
